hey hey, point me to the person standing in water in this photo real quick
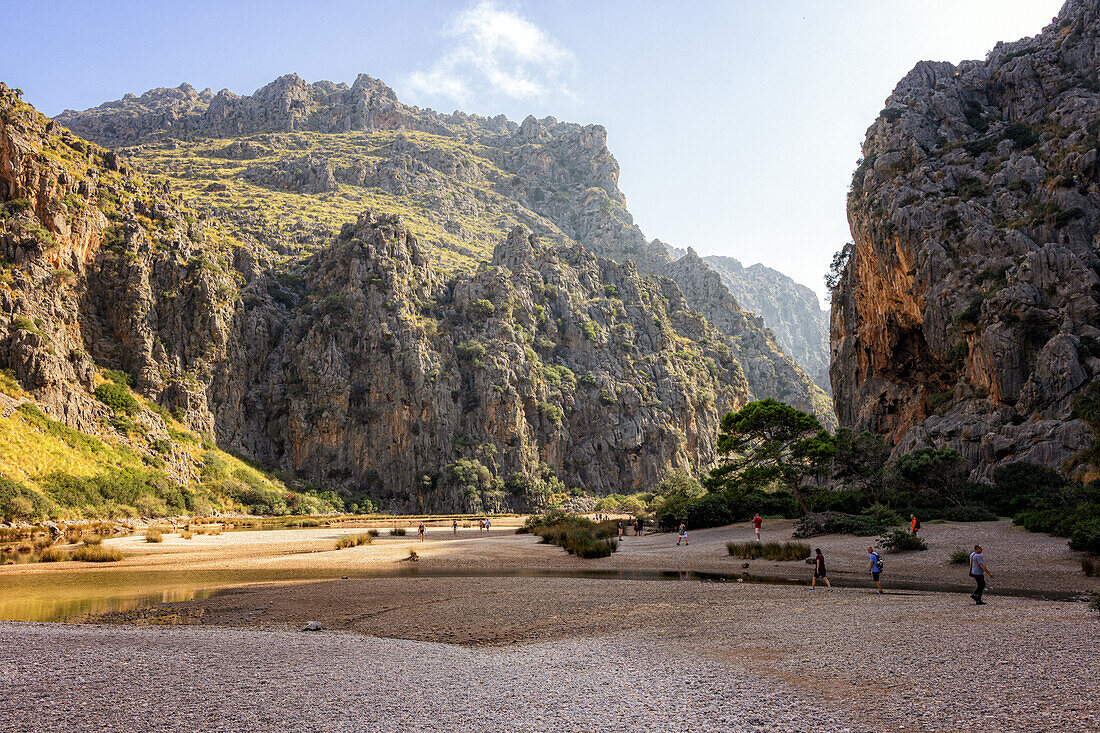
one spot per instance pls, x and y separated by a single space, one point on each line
683 534
819 571
876 567
978 571
757 521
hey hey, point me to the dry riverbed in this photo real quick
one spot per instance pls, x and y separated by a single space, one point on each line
563 653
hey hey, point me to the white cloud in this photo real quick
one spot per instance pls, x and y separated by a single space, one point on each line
495 53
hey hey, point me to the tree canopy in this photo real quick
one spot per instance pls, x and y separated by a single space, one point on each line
767 442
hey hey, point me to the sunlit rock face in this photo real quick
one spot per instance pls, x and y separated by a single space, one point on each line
967 315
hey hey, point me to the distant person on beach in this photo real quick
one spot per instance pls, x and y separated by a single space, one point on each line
914 524
757 521
819 571
638 524
620 526
488 524
683 534
454 527
420 531
978 571
876 567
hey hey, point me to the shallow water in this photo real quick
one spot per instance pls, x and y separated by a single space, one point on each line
72 595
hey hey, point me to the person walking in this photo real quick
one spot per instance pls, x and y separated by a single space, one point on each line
454 527
819 571
488 524
914 524
683 534
620 527
420 531
978 571
757 521
876 567
638 524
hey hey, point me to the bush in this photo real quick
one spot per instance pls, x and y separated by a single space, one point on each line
1086 536
959 556
117 397
884 515
354 540
373 532
1090 566
397 531
901 541
185 534
154 534
51 554
96 553
782 551
92 540
576 535
836 523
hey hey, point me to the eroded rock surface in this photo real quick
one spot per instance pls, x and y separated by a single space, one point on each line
967 315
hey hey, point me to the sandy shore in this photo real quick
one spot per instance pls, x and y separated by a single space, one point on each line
1020 560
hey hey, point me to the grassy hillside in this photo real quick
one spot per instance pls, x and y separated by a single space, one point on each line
50 471
459 212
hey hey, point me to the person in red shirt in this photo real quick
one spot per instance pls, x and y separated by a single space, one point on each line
756 523
914 524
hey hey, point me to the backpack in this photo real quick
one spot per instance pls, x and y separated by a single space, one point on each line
878 562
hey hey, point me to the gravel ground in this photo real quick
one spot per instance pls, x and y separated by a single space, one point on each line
187 679
582 653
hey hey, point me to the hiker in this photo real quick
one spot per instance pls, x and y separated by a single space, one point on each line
757 521
819 571
876 567
683 534
978 571
638 524
454 527
488 524
620 526
914 524
420 531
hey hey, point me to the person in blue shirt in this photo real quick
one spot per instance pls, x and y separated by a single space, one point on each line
876 567
978 571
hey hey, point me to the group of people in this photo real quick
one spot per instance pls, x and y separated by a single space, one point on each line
978 570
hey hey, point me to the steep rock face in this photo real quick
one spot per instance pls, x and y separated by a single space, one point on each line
361 365
790 310
967 314
461 180
393 378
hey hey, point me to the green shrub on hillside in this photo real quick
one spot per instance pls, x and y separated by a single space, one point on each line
117 397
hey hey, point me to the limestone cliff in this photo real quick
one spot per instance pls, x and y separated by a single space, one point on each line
283 164
966 315
357 360
791 310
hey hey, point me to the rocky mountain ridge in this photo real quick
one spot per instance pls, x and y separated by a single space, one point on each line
966 313
285 162
356 361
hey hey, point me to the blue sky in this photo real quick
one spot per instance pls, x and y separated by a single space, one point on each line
736 124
